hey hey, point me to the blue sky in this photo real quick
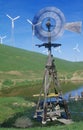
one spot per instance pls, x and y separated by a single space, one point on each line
27 9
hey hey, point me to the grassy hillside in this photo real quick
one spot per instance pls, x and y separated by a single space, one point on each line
18 63
21 60
17 60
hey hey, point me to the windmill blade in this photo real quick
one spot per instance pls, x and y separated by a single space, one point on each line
73 26
29 21
16 17
9 17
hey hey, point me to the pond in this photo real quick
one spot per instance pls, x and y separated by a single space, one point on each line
75 106
74 93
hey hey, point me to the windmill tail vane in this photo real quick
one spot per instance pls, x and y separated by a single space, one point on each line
73 26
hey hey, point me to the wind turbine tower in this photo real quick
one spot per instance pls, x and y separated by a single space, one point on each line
12 29
1 39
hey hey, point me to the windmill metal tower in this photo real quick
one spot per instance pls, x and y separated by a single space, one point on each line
51 105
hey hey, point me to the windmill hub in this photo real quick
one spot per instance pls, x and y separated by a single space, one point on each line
48 25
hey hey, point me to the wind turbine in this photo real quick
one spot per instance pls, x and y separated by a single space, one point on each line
58 49
12 20
77 50
45 51
1 39
33 28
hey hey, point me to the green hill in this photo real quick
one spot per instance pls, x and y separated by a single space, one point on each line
21 64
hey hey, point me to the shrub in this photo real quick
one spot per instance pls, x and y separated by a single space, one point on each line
8 82
23 122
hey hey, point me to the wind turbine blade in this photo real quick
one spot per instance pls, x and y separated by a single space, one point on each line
58 49
4 37
16 17
29 21
73 26
9 17
76 48
37 23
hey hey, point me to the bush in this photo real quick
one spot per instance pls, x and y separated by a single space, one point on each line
8 82
23 122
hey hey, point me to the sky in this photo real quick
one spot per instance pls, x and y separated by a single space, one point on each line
22 33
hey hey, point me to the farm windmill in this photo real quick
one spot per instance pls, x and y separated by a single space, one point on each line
52 25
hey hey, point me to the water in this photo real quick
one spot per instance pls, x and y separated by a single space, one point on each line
74 93
75 106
